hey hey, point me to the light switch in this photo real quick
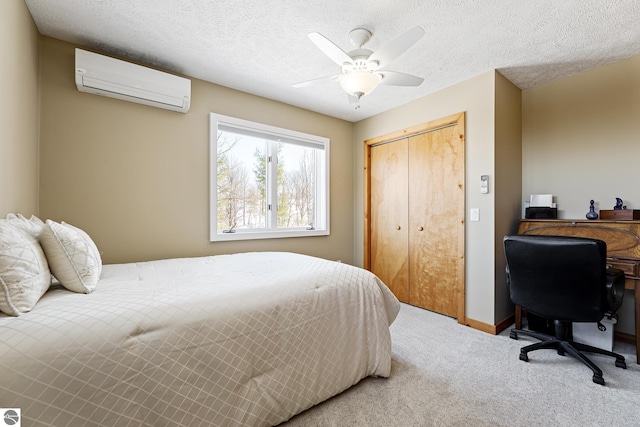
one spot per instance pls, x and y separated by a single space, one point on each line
475 214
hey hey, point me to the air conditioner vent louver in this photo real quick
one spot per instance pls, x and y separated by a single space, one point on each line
103 75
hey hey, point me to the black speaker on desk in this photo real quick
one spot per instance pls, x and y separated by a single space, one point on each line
541 213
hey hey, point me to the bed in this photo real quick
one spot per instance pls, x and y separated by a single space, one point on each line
247 339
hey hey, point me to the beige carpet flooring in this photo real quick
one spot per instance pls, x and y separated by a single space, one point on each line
446 374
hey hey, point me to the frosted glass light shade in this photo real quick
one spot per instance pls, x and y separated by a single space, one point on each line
359 82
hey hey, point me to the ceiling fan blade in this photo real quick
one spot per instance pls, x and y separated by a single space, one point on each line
394 78
397 46
315 81
336 54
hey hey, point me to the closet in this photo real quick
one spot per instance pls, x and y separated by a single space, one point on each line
414 214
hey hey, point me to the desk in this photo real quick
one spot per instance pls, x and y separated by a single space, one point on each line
623 250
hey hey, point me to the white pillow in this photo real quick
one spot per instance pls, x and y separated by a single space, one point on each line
24 273
73 257
32 225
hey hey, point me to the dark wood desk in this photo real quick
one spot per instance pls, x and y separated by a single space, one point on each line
623 250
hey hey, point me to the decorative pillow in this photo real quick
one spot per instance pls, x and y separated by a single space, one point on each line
24 273
32 225
73 257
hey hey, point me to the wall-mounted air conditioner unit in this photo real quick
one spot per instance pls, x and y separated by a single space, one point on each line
103 75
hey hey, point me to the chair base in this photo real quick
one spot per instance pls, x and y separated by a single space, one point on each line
566 346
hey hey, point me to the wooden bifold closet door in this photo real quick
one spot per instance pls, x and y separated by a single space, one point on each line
414 240
389 216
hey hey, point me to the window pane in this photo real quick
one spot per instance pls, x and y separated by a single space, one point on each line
266 182
296 186
241 185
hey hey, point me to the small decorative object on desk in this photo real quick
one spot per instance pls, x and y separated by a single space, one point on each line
618 205
592 214
620 212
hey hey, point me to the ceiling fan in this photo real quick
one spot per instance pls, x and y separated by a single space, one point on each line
362 69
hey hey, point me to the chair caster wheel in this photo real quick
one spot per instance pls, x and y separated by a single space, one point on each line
524 357
621 364
513 335
598 379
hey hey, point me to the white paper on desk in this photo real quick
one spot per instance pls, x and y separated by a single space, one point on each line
541 200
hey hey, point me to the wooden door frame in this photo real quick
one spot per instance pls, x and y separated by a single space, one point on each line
454 119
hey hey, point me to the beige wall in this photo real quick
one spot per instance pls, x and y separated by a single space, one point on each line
580 139
18 110
476 97
508 181
580 142
136 177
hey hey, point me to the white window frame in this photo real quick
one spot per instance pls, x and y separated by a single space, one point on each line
321 224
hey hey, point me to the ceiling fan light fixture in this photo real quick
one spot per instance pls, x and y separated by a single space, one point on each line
359 82
362 69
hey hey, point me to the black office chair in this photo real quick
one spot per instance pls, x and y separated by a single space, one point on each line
564 279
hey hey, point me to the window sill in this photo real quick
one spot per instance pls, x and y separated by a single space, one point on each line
258 235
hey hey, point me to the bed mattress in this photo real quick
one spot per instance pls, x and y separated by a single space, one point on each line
246 339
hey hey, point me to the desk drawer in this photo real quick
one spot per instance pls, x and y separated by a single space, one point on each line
629 267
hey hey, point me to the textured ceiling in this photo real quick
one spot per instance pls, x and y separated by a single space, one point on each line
261 46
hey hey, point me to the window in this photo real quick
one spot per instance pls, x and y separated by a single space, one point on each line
266 182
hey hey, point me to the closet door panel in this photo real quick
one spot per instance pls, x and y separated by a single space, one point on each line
389 204
436 220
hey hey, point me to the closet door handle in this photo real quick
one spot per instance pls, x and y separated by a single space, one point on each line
397 227
420 228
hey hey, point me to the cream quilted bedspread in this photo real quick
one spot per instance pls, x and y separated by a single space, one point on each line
247 339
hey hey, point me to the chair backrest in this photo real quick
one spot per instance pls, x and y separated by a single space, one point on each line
557 277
